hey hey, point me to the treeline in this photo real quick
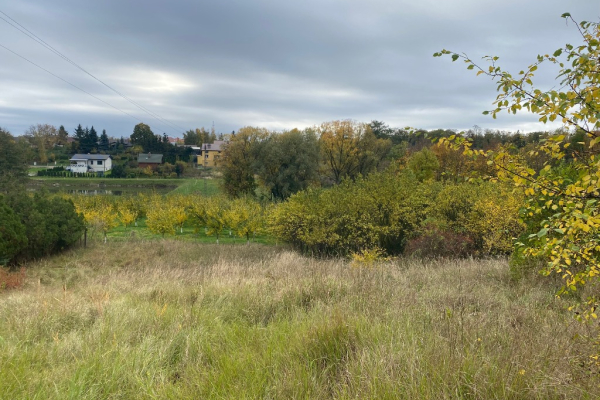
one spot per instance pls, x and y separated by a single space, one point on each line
199 136
279 164
145 141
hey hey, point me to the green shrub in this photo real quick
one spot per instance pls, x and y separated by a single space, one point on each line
381 211
51 224
12 233
485 214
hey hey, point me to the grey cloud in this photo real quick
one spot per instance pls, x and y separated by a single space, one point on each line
271 63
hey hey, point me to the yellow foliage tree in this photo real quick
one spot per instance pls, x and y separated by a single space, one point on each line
245 217
562 206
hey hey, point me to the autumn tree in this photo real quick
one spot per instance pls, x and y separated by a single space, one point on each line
287 162
245 217
215 216
562 209
198 136
424 164
238 159
42 137
161 218
339 146
349 149
128 210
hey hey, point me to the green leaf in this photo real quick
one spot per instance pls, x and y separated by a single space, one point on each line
542 233
455 57
557 53
566 15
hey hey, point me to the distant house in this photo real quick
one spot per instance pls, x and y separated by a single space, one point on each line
210 153
146 160
98 163
114 143
175 141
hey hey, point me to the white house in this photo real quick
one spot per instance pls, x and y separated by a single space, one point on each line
99 163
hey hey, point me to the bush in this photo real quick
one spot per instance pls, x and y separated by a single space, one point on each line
486 215
118 171
435 242
12 233
381 211
51 224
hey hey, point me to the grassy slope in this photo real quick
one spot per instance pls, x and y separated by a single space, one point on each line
168 319
205 187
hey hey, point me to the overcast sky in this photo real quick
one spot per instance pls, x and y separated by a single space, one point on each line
271 63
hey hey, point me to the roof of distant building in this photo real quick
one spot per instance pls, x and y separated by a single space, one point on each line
90 157
216 146
150 158
174 140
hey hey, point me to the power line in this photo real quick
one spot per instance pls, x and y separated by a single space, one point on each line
69 83
40 41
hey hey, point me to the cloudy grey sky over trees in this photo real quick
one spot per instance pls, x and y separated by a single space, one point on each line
270 63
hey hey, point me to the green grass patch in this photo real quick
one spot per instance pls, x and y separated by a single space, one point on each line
117 182
205 187
189 233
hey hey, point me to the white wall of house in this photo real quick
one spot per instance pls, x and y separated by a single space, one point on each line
81 166
101 165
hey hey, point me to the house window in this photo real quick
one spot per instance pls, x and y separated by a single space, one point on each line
99 162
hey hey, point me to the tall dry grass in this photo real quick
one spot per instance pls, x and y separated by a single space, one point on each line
170 319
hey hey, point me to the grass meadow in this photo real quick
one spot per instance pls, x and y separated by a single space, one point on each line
143 319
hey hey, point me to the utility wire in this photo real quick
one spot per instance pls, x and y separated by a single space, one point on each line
69 83
39 40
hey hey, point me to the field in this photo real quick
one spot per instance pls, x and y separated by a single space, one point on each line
174 319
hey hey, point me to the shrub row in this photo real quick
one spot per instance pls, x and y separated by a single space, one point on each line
56 173
397 213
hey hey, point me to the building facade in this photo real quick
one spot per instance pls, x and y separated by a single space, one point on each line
96 163
210 153
146 160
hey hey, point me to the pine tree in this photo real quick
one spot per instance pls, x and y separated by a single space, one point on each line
79 133
93 139
63 135
104 144
80 136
